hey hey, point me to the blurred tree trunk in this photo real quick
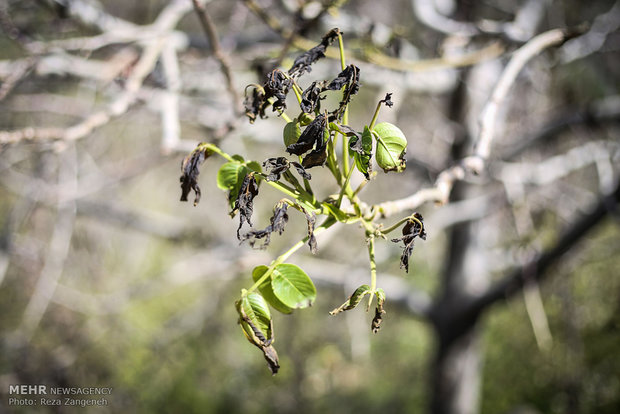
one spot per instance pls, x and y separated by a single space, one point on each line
456 366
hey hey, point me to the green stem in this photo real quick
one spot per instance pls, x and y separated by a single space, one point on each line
322 227
374 117
345 187
373 268
218 151
285 117
345 116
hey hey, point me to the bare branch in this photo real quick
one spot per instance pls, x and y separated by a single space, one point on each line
211 32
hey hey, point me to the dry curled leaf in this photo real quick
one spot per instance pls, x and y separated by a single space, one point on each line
278 221
277 166
303 62
245 199
312 137
412 229
190 168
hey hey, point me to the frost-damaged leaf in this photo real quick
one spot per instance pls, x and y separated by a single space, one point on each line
292 286
257 326
387 100
312 137
412 229
278 221
255 103
353 300
267 291
277 86
311 97
391 147
376 321
362 152
311 219
245 199
349 78
189 167
277 166
303 62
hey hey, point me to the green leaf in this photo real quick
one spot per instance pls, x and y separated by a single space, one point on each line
391 147
255 319
353 300
254 166
363 153
267 291
292 132
292 286
230 178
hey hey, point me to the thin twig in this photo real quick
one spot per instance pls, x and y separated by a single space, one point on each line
475 163
211 32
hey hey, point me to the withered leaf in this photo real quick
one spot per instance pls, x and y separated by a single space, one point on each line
349 78
245 200
255 104
311 218
278 221
303 62
313 134
387 100
379 312
277 166
277 85
411 230
311 97
376 321
301 171
271 356
315 158
190 168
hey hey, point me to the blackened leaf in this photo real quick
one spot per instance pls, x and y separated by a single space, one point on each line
376 321
292 132
344 130
414 227
190 168
353 300
303 62
292 286
271 356
391 147
349 78
267 291
311 218
387 100
275 167
278 222
311 97
245 199
313 134
315 158
255 103
277 85
301 171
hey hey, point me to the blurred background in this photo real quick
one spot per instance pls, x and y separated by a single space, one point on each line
107 280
